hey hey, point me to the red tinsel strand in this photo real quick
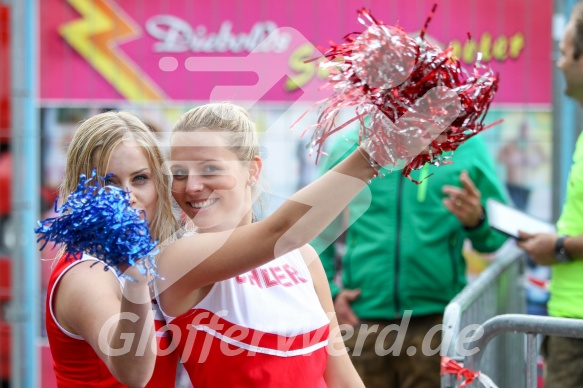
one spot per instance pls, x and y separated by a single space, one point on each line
449 366
426 25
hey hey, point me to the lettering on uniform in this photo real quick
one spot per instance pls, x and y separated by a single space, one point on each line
286 276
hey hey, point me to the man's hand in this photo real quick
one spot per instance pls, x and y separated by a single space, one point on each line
343 309
465 202
539 246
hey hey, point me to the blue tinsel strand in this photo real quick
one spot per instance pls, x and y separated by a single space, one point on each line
98 220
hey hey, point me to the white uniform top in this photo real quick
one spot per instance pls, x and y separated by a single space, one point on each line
273 309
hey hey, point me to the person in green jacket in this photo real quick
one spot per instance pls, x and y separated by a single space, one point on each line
403 260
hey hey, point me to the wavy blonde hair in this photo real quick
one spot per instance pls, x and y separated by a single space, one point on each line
227 117
91 148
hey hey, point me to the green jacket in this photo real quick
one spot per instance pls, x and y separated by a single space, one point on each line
405 251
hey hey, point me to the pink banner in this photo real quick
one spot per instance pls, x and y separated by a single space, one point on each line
186 50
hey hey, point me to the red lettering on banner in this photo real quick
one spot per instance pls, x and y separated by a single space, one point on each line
268 281
240 279
280 277
293 274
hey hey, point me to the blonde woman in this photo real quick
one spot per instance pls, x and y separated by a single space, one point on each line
100 327
249 301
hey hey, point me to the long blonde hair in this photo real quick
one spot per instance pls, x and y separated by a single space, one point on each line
226 117
91 148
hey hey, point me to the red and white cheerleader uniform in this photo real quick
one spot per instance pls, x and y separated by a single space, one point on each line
264 328
75 362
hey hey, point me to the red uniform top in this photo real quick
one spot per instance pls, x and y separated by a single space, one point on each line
264 328
75 362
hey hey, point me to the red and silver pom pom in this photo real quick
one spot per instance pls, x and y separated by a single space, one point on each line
412 99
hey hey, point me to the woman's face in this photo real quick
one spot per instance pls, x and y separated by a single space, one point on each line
209 182
131 171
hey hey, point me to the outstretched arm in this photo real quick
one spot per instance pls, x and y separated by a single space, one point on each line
199 260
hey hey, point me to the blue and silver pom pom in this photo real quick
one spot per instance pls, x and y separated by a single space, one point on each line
98 220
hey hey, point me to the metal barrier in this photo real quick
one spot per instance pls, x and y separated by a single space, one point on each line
532 325
498 290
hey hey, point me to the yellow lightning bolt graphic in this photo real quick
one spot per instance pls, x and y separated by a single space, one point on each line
95 38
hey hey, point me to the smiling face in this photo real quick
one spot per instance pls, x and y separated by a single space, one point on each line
131 171
209 181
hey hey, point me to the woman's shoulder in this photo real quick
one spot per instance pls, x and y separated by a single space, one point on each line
89 275
87 291
308 251
306 255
